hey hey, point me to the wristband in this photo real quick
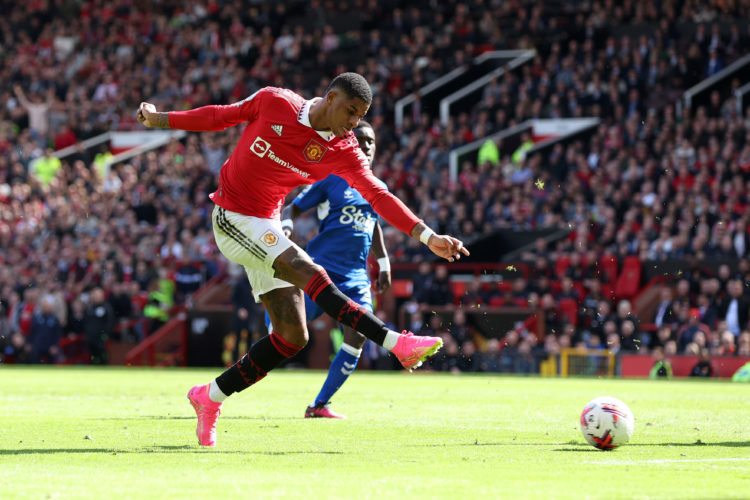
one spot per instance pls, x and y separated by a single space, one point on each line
287 224
425 236
384 264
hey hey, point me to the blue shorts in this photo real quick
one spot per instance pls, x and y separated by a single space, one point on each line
356 289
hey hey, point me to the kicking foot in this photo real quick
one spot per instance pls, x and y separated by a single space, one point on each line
411 350
208 412
321 410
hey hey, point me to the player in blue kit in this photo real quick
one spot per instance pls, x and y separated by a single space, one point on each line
349 231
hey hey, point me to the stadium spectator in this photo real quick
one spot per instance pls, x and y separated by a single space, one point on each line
475 293
45 334
447 360
497 358
661 368
75 324
687 333
436 289
37 107
743 344
735 308
664 314
469 358
459 327
630 340
726 345
703 367
98 325
664 334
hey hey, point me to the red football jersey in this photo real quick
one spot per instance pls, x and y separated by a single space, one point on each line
279 151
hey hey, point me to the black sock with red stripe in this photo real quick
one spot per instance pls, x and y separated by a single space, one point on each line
265 355
343 309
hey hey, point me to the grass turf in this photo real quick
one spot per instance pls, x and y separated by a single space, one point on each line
130 433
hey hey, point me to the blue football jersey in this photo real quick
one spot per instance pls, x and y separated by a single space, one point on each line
346 221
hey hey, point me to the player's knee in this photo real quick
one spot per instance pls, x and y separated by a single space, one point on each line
298 337
296 267
354 338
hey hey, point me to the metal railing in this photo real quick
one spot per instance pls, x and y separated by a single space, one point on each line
521 57
164 136
739 96
448 77
704 85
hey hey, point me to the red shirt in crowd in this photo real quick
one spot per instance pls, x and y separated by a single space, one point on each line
279 150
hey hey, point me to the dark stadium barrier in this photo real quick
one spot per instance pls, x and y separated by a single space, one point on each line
166 347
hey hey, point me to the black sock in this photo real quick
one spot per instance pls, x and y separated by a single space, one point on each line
343 309
265 355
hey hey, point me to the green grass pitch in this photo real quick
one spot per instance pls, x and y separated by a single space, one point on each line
130 433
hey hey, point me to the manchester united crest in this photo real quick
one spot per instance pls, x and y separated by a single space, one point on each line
314 151
270 238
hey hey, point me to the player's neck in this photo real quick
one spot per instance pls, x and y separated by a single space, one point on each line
318 119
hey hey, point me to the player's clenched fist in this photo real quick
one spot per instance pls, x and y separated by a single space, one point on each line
148 116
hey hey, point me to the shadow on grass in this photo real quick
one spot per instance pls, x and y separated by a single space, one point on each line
579 446
160 449
728 444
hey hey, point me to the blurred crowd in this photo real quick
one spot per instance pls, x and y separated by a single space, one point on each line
647 183
700 311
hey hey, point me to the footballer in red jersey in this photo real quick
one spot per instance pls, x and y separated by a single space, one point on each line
290 141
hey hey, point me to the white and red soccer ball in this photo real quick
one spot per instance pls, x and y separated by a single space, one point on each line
606 423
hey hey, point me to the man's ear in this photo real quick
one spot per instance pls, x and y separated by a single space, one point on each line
330 96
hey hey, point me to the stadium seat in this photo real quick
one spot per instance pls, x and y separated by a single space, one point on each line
459 289
629 281
580 288
504 286
568 308
608 268
561 265
73 349
521 302
497 301
402 288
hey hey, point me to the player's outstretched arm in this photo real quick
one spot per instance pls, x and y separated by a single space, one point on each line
203 119
394 211
442 245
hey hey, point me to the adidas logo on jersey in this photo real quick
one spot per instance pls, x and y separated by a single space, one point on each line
277 129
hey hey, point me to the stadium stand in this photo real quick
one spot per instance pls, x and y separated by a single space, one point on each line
654 182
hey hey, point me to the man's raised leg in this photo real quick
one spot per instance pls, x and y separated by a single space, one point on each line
295 266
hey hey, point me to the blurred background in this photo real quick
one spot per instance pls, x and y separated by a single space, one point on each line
594 157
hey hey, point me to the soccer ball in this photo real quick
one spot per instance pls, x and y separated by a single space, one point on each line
606 423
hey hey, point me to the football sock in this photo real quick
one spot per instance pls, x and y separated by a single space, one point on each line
345 310
265 355
342 366
390 339
215 394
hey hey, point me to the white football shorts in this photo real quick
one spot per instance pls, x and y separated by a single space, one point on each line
253 243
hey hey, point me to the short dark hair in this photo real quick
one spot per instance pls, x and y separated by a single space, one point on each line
364 124
353 85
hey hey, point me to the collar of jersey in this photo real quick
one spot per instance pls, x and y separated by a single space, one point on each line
304 118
